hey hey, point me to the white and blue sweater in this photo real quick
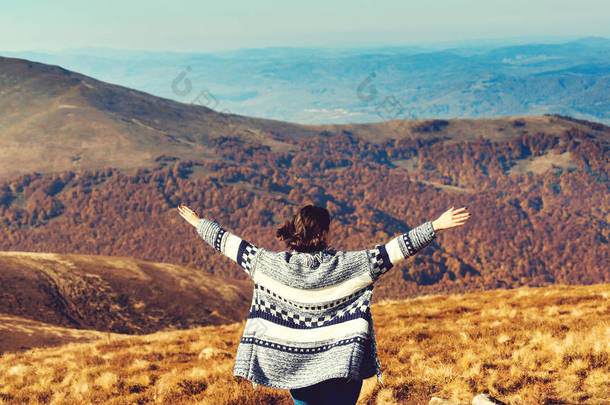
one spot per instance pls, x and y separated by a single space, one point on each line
310 316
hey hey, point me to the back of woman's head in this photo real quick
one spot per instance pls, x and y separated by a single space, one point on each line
307 230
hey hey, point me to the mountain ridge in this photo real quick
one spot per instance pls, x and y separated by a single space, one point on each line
106 123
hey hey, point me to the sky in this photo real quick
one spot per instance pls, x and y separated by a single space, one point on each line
209 26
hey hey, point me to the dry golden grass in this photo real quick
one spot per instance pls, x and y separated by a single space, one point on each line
524 346
18 333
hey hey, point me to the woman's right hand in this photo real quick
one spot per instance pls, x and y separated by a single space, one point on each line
451 218
188 214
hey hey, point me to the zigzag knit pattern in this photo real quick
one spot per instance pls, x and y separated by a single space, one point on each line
310 317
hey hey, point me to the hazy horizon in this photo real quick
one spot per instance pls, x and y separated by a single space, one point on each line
436 45
211 27
433 45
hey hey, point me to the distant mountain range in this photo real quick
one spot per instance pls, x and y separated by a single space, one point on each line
319 86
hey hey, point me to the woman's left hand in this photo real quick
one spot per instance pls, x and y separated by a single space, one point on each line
189 215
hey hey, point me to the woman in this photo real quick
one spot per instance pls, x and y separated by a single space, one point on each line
310 328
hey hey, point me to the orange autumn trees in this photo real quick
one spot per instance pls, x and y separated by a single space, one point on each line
528 227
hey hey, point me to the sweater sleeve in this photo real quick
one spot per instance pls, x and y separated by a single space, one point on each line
384 257
235 248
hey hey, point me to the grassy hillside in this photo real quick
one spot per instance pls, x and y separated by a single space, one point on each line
42 292
52 119
524 346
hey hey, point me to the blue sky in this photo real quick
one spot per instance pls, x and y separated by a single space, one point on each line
207 26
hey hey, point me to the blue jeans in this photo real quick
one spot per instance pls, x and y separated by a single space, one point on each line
336 391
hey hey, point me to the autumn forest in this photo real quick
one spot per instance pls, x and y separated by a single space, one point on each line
531 225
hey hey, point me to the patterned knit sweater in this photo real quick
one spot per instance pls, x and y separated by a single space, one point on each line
310 316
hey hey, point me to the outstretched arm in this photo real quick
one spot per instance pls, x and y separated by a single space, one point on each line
237 249
384 257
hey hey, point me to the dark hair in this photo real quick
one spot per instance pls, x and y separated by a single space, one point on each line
304 232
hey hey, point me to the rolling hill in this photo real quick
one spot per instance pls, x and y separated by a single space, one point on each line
48 299
52 119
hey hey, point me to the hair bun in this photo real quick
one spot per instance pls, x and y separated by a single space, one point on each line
306 231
